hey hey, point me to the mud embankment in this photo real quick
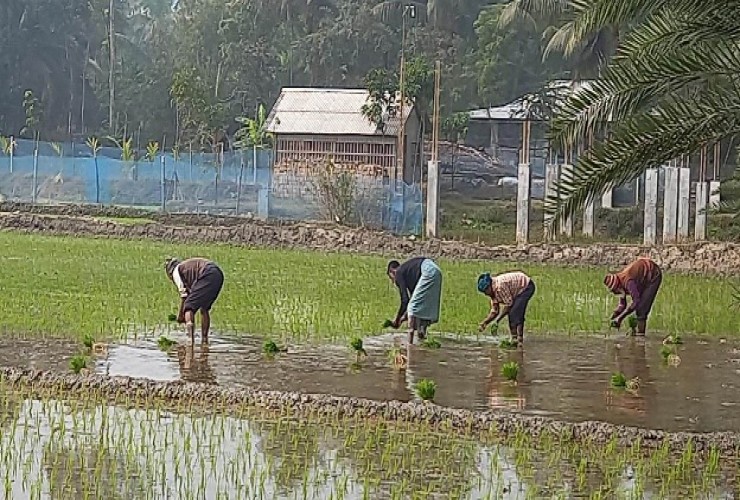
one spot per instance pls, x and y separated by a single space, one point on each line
695 258
333 407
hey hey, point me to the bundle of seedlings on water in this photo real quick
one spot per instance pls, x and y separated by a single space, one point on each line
510 370
431 343
387 323
619 380
172 317
666 351
165 343
270 348
674 339
425 389
356 345
494 328
508 344
88 341
78 363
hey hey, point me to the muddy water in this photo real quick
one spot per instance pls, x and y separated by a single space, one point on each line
568 378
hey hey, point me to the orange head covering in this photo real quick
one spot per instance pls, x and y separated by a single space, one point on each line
612 282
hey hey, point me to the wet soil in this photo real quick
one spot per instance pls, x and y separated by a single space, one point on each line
568 379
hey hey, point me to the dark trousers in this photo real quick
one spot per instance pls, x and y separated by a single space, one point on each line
205 290
519 307
647 298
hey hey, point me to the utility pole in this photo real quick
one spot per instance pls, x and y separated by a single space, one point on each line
112 67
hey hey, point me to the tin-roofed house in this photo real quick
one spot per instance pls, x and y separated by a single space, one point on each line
316 126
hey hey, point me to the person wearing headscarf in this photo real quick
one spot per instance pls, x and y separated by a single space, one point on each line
419 281
641 279
199 282
510 294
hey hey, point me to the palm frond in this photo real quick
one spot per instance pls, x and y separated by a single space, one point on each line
675 127
632 85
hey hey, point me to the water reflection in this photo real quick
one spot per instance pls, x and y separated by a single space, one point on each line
82 449
194 363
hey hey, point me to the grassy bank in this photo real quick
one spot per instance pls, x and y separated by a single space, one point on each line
75 286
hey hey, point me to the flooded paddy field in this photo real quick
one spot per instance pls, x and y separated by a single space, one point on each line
72 448
567 379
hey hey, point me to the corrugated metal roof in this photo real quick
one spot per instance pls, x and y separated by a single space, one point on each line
326 111
517 109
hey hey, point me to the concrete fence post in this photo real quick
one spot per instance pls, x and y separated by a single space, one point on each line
650 232
700 223
684 202
670 205
714 196
552 174
566 227
432 199
523 204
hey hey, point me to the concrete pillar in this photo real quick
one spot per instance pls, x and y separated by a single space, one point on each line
714 197
684 201
588 219
607 199
432 199
523 204
263 203
650 234
670 205
566 227
552 174
700 223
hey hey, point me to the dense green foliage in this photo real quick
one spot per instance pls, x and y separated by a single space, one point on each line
186 73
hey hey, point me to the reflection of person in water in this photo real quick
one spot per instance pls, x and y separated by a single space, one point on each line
194 364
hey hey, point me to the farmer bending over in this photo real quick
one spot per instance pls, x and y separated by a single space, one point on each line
509 294
641 280
419 281
199 282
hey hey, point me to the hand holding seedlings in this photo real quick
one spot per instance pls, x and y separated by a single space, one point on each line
510 294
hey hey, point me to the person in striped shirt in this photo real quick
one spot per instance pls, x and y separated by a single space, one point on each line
510 294
641 279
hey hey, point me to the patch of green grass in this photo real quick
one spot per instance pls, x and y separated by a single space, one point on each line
88 341
105 287
270 348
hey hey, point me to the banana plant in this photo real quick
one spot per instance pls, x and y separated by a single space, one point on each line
151 151
128 154
253 133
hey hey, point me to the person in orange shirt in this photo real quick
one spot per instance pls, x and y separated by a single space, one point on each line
512 291
641 279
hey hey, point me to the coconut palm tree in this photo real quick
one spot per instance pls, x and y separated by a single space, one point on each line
672 87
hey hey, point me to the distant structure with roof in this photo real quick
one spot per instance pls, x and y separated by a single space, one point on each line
312 126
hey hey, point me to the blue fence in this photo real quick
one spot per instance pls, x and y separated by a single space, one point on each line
233 183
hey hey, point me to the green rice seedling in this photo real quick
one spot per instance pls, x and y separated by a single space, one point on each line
270 348
673 339
88 341
387 323
508 344
172 317
619 380
632 323
510 370
494 328
357 347
431 343
165 343
78 363
666 351
425 389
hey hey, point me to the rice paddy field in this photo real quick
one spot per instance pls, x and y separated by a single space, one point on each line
63 290
57 448
108 288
